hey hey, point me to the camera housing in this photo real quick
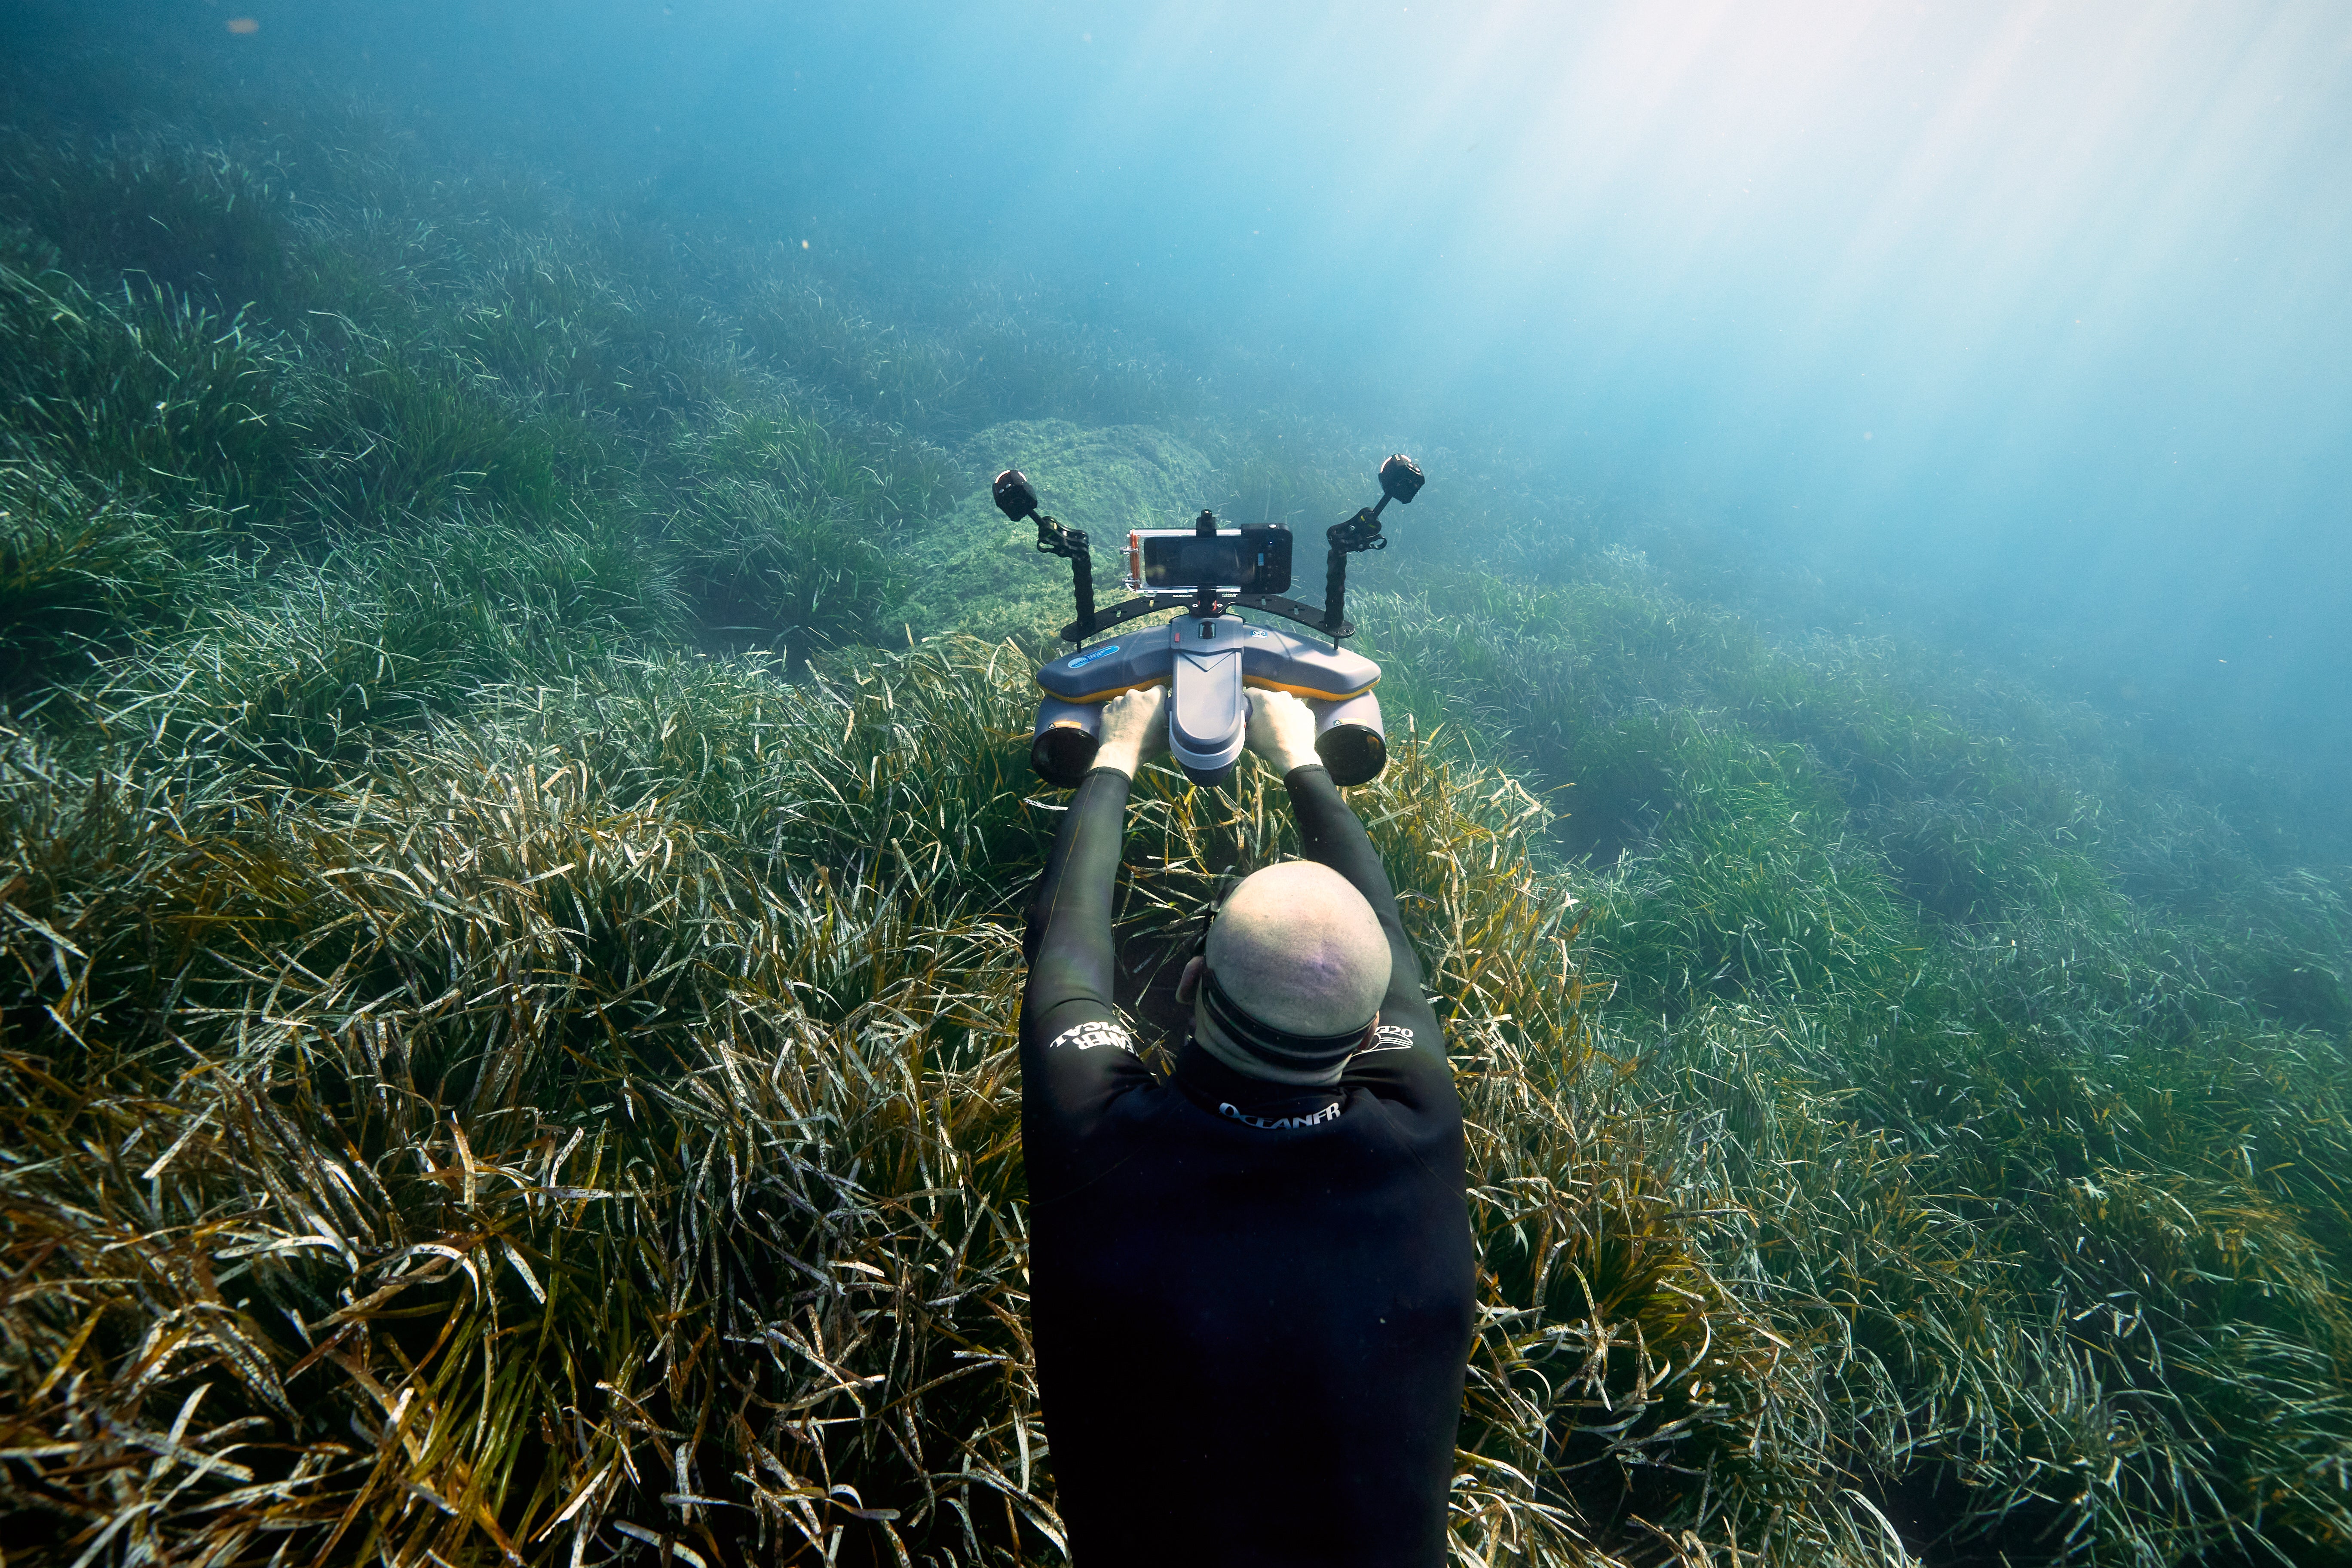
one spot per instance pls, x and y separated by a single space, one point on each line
1229 562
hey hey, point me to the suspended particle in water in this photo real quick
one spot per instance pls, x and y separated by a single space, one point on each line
243 25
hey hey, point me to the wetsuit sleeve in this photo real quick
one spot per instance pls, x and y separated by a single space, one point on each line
1075 1055
1407 1059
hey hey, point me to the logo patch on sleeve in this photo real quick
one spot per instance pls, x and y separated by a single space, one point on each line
1388 1037
1087 1036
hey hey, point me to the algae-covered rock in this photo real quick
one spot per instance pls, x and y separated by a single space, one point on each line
974 571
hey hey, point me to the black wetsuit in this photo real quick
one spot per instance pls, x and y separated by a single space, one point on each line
1253 1303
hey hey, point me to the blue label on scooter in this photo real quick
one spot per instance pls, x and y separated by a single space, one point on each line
1086 658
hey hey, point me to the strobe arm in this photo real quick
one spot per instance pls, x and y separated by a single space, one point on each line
1361 532
1401 481
1053 539
1016 498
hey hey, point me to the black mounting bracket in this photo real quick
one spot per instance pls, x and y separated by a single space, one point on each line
1289 609
1124 610
1311 617
1070 543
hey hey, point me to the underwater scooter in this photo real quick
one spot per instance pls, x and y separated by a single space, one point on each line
1210 655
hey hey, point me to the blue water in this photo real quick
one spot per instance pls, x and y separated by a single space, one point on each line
2025 324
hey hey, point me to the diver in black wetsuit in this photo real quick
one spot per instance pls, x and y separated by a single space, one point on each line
1251 1281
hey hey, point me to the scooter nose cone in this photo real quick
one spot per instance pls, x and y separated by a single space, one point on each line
1204 764
1208 712
1211 734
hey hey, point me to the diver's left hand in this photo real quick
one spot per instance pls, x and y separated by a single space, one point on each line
1134 729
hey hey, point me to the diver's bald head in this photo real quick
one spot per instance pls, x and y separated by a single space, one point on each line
1298 954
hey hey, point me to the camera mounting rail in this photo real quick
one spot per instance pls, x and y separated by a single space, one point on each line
1401 481
1210 573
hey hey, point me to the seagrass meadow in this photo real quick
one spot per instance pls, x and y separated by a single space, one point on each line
514 821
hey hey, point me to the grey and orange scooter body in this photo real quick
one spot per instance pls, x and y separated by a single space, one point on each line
1210 664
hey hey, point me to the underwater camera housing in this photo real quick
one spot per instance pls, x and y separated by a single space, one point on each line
1210 655
1233 561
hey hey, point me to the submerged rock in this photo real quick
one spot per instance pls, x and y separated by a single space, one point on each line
974 571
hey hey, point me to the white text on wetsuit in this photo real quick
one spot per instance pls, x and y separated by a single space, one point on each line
1087 1036
1281 1124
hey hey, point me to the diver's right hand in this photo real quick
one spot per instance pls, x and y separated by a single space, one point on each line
1134 726
1282 731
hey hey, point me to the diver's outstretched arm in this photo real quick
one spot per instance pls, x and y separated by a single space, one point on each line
1075 1055
1408 1045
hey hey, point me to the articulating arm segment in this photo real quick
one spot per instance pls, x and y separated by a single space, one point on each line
1053 539
1016 498
1361 532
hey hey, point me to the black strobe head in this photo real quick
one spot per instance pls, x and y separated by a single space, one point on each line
1016 498
1401 479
